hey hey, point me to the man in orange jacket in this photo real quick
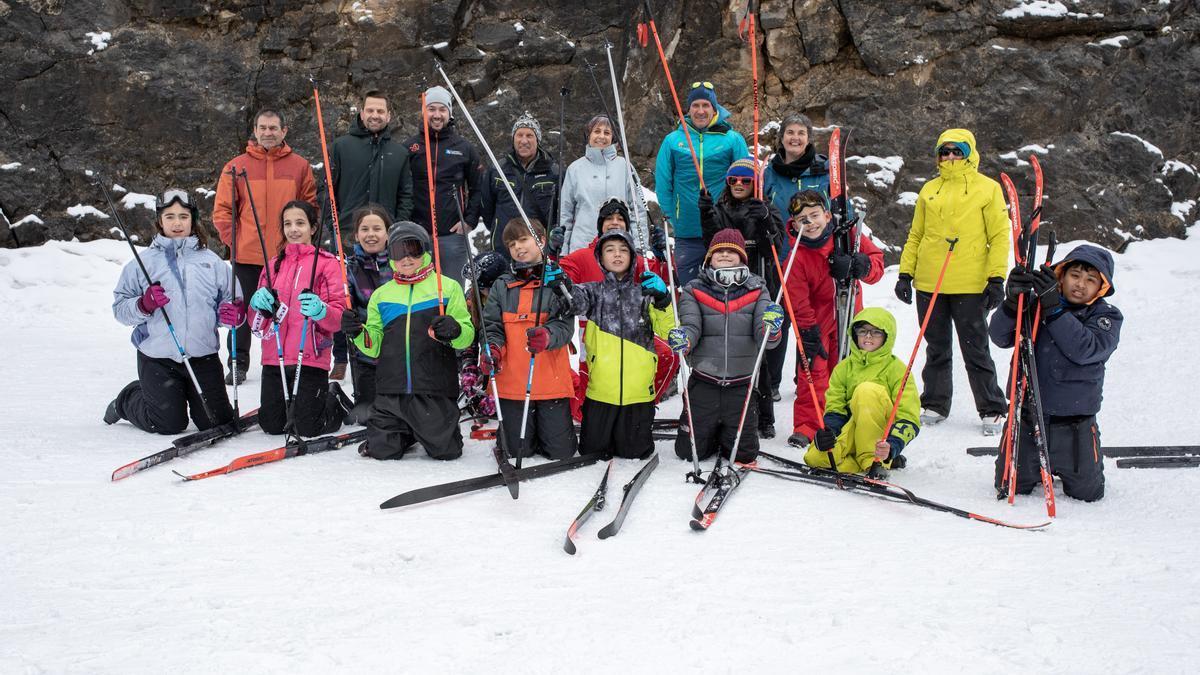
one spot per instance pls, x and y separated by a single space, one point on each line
277 176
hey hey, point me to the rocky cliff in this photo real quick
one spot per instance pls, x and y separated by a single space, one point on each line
152 93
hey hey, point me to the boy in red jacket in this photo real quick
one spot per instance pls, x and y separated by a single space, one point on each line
812 290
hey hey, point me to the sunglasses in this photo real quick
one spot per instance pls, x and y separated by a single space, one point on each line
950 151
739 180
706 85
170 197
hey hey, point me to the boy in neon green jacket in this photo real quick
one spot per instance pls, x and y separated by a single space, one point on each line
416 398
862 389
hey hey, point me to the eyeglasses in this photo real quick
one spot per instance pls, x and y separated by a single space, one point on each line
865 332
739 180
950 151
706 85
409 248
170 197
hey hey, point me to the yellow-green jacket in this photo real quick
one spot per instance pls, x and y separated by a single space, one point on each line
961 203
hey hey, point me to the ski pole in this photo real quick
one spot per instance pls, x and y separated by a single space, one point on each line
233 359
437 258
937 288
662 57
612 73
262 244
751 10
556 209
329 196
681 376
183 355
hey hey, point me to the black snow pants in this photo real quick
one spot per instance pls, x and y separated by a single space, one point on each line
1075 456
398 421
317 413
715 412
966 312
617 430
550 431
162 397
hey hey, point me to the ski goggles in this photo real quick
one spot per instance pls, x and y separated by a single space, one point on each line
950 151
739 180
172 196
408 248
706 85
729 276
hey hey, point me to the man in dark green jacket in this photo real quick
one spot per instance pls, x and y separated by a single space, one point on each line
368 167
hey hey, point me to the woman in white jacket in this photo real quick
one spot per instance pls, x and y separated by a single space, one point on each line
590 181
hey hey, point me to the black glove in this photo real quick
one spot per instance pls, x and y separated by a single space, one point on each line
352 324
444 328
904 288
993 293
658 241
705 202
839 267
555 243
757 211
810 338
860 266
1019 283
1045 285
825 440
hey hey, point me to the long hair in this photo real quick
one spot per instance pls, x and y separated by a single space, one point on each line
310 212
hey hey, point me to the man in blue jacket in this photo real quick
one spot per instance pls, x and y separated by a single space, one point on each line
717 146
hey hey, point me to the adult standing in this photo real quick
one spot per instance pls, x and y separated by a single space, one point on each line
678 187
533 175
591 181
277 176
964 204
457 170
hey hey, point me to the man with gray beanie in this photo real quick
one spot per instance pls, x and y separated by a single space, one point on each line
457 170
533 175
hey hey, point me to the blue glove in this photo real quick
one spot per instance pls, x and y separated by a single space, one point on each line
677 340
556 279
773 317
264 300
312 306
653 285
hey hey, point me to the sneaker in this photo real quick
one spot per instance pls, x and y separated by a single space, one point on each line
111 416
241 376
344 402
775 394
766 431
992 425
798 440
929 417
338 372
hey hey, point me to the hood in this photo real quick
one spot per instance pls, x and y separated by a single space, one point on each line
361 254
162 241
357 129
623 236
258 152
1095 256
881 319
965 166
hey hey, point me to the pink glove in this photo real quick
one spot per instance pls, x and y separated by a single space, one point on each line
231 314
153 298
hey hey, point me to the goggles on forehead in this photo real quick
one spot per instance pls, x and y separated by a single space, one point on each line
172 196
726 277
706 85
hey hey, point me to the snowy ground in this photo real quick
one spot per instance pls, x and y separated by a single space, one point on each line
292 567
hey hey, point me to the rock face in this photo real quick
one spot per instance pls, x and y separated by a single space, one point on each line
155 93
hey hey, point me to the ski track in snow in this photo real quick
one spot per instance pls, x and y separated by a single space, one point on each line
293 567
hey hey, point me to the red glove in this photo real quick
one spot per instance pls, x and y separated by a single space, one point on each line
490 367
152 298
538 339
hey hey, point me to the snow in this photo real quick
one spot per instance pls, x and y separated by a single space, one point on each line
885 176
1118 41
519 27
206 193
1012 157
135 199
1033 147
83 210
907 198
1182 210
1173 165
292 567
1003 48
99 41
1150 147
1036 8
29 219
11 166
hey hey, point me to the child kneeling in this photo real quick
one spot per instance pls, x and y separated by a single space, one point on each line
862 391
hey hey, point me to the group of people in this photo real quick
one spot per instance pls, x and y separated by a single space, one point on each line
427 325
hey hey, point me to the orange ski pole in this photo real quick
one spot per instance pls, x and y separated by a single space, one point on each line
437 257
329 194
662 57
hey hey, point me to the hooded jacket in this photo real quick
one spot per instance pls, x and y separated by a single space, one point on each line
724 328
883 368
290 279
534 186
675 181
370 168
1074 342
619 337
582 265
396 332
589 182
365 272
729 213
197 282
511 309
276 178
457 169
812 291
962 203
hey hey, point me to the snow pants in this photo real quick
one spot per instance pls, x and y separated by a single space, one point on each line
550 430
806 419
965 311
317 413
1075 457
399 420
617 430
870 406
715 414
162 397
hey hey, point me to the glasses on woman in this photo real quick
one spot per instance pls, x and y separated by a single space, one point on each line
866 332
950 151
739 180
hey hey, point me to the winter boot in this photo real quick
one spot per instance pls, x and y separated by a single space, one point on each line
929 417
798 440
992 425
766 430
345 403
111 414
241 375
775 394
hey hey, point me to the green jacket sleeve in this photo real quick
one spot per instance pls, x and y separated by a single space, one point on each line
908 415
456 306
370 340
836 400
661 320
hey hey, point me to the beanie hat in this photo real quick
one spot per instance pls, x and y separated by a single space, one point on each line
489 265
703 92
439 94
728 239
963 147
613 205
743 168
528 121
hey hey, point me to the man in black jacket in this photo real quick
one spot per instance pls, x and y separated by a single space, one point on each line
533 175
457 170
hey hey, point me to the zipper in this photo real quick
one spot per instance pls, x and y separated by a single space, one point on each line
726 368
408 341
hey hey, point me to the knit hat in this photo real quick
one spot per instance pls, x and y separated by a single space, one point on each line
728 239
703 92
528 121
613 205
743 168
489 265
439 94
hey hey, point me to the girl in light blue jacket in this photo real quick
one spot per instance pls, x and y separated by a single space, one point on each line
193 284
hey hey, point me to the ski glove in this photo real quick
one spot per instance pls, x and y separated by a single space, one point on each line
312 306
152 298
1019 283
554 245
810 337
264 300
773 318
677 340
444 329
489 365
904 288
993 293
653 286
840 265
352 323
555 278
860 266
825 440
658 242
1045 284
537 339
231 314
758 212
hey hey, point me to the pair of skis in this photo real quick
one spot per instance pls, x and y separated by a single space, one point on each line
721 483
185 445
1134 456
292 449
846 237
599 499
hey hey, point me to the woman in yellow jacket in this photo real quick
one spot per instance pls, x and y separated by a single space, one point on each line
964 204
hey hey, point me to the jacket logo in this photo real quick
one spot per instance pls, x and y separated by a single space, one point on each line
451 151
1104 323
415 147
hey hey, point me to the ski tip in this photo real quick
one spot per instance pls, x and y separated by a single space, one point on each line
697 525
185 478
125 471
605 532
569 547
514 489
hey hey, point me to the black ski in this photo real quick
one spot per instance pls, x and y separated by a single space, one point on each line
1165 462
466 485
596 503
631 490
188 444
1118 451
877 488
508 472
727 481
